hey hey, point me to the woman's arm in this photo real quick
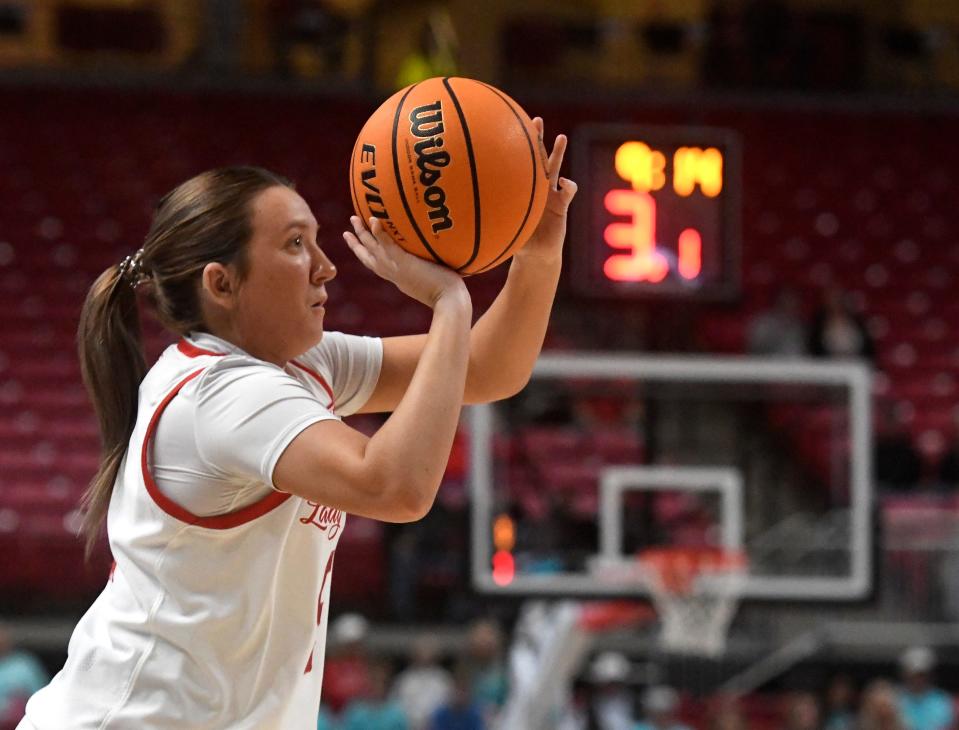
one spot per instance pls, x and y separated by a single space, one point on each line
394 474
507 339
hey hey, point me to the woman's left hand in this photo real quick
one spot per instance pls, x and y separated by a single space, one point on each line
546 243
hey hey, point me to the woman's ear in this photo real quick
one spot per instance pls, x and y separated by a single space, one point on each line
219 284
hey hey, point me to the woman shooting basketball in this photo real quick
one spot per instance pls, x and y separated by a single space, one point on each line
226 472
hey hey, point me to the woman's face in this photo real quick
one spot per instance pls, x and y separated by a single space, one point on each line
279 305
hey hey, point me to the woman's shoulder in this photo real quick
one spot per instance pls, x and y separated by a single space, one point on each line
232 374
239 370
324 355
338 349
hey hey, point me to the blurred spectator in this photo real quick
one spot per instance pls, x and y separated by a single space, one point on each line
347 672
897 464
923 706
779 330
461 711
727 715
375 711
435 51
802 712
611 702
880 709
837 331
728 720
660 705
486 668
21 674
840 701
424 686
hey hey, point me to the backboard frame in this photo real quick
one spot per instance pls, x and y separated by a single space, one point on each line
856 377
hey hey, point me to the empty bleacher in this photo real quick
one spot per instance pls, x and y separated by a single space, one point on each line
83 167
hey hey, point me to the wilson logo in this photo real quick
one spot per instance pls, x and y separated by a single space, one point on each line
426 123
328 519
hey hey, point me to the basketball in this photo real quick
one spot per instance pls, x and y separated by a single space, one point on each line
455 170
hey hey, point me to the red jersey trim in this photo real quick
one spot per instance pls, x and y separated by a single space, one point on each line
318 378
214 522
191 350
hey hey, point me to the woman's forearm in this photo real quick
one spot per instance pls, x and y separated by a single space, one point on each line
507 339
412 448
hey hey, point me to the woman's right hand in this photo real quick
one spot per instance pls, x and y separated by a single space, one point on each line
424 281
394 474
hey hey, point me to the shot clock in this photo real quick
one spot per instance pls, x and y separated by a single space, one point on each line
661 214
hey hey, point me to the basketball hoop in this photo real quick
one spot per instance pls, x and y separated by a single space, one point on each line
696 592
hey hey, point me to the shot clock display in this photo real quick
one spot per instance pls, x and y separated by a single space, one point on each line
661 212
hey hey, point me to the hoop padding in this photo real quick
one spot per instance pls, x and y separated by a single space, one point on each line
696 593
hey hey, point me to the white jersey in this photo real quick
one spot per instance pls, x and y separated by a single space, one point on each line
217 620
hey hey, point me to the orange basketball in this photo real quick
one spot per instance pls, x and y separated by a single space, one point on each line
455 170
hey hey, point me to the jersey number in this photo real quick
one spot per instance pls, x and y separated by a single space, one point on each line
319 608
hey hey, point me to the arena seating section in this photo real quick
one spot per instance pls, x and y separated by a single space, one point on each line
828 197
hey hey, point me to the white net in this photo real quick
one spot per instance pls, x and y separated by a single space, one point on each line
697 621
695 594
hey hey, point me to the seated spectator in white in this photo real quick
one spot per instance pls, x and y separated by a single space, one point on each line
346 675
779 330
838 331
423 687
880 708
923 706
21 674
840 701
660 705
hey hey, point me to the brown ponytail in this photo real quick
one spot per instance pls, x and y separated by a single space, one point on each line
205 219
112 364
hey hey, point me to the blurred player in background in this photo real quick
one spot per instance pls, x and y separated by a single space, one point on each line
923 705
223 516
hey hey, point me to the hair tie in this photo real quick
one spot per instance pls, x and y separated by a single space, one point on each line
131 269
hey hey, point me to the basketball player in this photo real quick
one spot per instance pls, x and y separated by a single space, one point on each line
227 473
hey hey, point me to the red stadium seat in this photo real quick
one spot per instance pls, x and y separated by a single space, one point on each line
68 216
